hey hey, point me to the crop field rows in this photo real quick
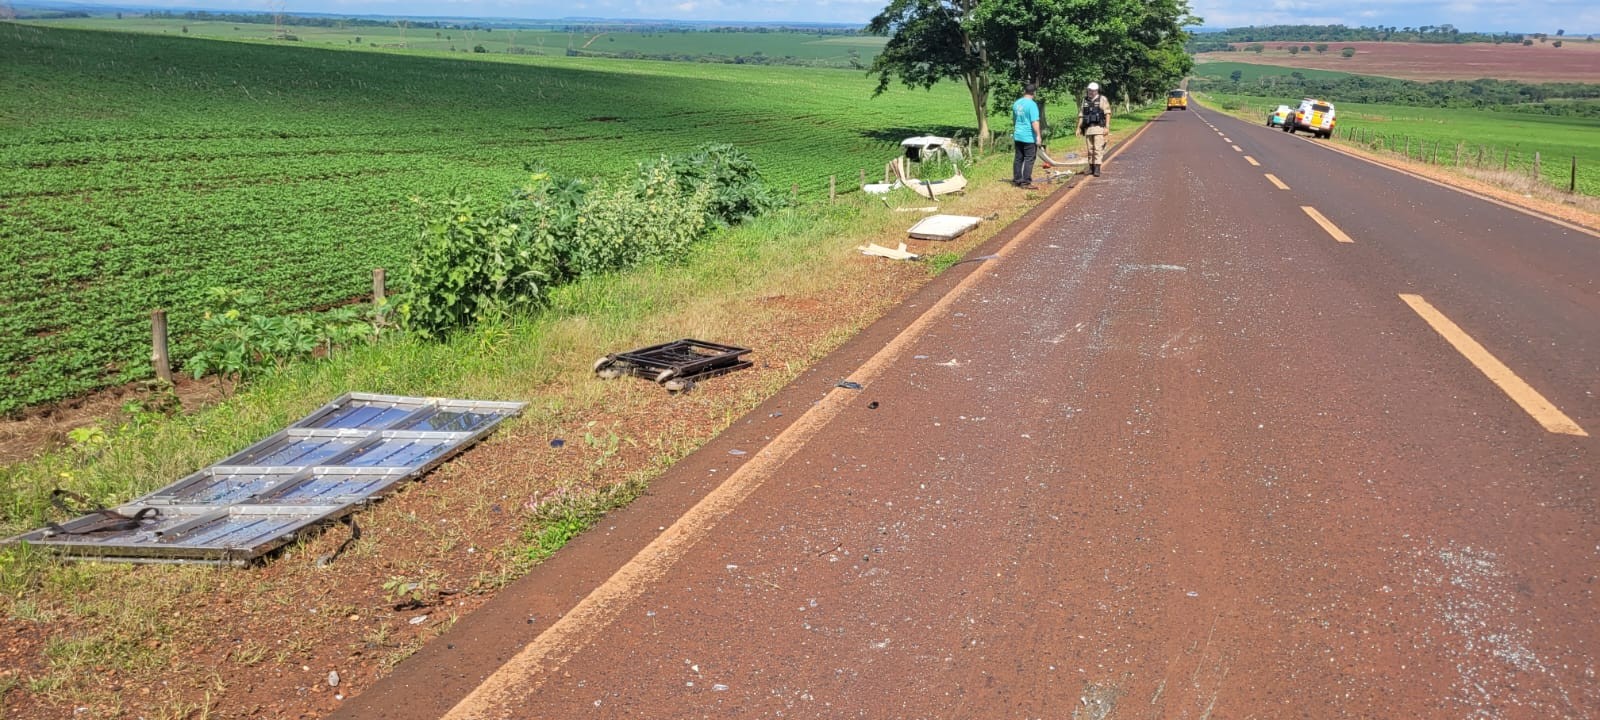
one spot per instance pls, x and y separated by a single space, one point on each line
138 171
821 49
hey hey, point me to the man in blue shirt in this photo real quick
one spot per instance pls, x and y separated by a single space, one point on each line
1026 136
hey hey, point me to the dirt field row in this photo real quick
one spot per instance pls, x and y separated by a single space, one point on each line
1575 61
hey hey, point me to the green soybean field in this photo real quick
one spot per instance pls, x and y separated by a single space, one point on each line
137 171
743 46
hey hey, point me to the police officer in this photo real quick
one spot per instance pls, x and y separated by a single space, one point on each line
1094 122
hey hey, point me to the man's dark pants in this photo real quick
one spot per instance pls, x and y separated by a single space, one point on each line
1022 163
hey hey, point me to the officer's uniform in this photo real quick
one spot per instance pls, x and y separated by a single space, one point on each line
1095 135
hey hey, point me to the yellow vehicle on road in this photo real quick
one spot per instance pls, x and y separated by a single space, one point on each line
1178 100
1314 116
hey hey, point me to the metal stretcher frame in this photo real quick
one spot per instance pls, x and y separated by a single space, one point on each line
350 452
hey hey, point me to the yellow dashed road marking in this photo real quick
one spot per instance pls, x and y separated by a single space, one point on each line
1236 149
1252 161
1531 401
1276 181
1326 225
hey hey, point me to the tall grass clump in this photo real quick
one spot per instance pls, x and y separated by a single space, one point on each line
474 264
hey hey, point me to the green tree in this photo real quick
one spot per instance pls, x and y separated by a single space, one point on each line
1348 52
1322 47
933 40
1131 47
1294 50
1256 48
1236 75
1150 58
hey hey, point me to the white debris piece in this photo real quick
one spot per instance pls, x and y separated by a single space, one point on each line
877 250
943 227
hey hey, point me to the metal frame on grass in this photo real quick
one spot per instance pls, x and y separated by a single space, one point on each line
344 455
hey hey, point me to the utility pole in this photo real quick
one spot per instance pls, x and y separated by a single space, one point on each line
278 33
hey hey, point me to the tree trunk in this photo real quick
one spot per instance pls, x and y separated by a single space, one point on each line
978 88
978 83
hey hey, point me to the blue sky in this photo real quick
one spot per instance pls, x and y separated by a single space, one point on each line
1485 15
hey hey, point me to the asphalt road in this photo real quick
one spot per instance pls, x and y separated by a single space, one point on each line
1180 452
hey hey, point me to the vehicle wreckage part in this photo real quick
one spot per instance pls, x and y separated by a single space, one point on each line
348 453
676 365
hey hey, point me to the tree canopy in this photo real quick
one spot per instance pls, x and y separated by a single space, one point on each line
1133 48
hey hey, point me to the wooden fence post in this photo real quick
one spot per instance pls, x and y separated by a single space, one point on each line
794 191
158 345
1536 164
1572 185
1505 161
1407 151
378 289
1459 148
863 176
1480 156
832 190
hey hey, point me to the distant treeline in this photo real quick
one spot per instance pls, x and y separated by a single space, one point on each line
337 22
1536 98
49 14
1446 33
852 61
296 20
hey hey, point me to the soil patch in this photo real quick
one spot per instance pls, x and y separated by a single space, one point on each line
44 428
1574 61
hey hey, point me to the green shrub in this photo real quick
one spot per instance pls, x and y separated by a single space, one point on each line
236 339
471 265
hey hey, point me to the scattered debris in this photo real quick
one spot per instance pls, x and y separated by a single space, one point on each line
674 365
931 188
943 227
872 405
849 385
919 149
355 534
320 469
876 250
737 453
1054 172
882 188
924 147
923 209
418 620
333 678
558 443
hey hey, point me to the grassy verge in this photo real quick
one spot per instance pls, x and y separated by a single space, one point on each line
170 641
